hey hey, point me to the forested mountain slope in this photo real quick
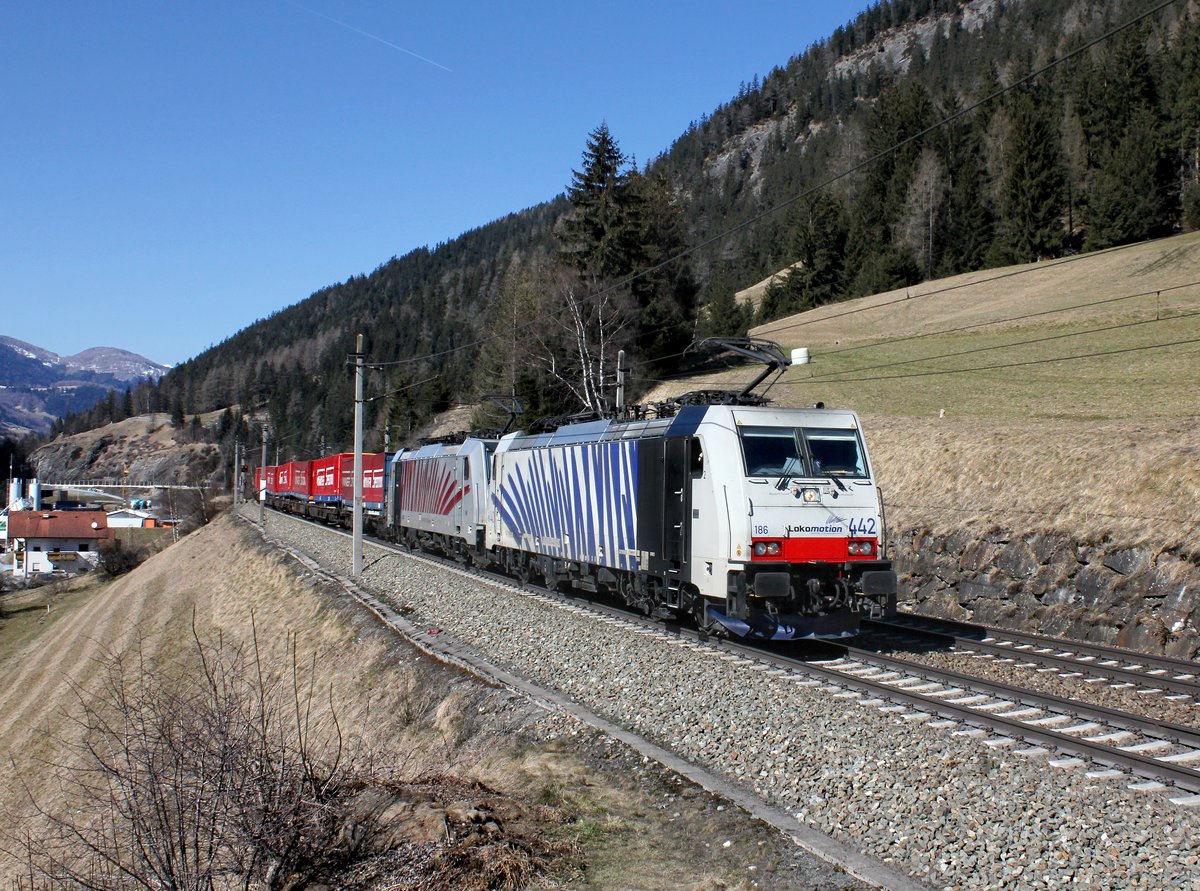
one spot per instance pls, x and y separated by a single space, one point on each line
1101 149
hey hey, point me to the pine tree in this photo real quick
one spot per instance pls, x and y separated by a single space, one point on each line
723 315
1126 205
903 111
665 290
620 236
1185 118
598 234
817 243
969 220
1033 193
110 411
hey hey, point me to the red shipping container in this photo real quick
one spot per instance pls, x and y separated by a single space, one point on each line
299 480
372 479
272 476
283 478
327 477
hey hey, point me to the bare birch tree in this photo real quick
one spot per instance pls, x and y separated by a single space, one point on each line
586 325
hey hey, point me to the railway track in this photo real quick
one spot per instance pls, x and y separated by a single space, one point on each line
1176 679
1158 751
1108 743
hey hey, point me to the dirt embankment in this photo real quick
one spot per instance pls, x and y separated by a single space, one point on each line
470 758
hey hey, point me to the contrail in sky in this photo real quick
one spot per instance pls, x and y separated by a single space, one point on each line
373 37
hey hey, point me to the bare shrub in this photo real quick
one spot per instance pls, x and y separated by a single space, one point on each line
219 780
232 770
116 559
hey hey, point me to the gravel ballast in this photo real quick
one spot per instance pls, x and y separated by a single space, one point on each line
940 805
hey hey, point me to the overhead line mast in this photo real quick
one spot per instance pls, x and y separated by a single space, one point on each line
356 556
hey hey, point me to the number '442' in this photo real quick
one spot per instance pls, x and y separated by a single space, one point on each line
863 526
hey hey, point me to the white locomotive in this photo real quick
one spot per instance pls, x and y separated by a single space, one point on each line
755 521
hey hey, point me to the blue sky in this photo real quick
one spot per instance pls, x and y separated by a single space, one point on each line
171 172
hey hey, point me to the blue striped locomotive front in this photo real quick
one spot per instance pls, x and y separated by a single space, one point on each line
572 502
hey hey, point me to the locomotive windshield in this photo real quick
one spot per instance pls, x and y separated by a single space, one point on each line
835 453
807 452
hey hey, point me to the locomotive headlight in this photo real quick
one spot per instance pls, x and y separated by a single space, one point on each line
810 495
767 549
861 548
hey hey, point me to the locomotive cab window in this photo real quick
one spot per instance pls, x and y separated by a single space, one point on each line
696 456
772 451
836 453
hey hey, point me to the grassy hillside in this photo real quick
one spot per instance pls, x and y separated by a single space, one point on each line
1054 394
431 732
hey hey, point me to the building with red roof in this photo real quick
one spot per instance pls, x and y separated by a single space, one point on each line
56 541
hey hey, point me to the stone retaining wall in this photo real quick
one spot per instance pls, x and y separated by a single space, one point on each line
1049 583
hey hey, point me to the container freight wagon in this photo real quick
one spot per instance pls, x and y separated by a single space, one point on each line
296 480
324 487
327 479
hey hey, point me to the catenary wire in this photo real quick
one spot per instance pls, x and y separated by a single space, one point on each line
1021 318
836 376
1000 365
908 297
961 328
966 370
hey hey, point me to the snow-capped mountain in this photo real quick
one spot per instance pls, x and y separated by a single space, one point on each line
37 385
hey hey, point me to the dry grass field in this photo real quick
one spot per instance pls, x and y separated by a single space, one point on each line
1058 394
552 780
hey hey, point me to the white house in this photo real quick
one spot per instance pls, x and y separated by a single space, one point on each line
46 541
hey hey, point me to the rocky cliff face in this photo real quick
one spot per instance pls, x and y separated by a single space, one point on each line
149 447
1138 597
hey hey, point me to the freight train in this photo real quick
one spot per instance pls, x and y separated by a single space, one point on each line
750 520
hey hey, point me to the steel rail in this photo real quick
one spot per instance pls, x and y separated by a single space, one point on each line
1127 674
1177 733
909 621
1149 767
